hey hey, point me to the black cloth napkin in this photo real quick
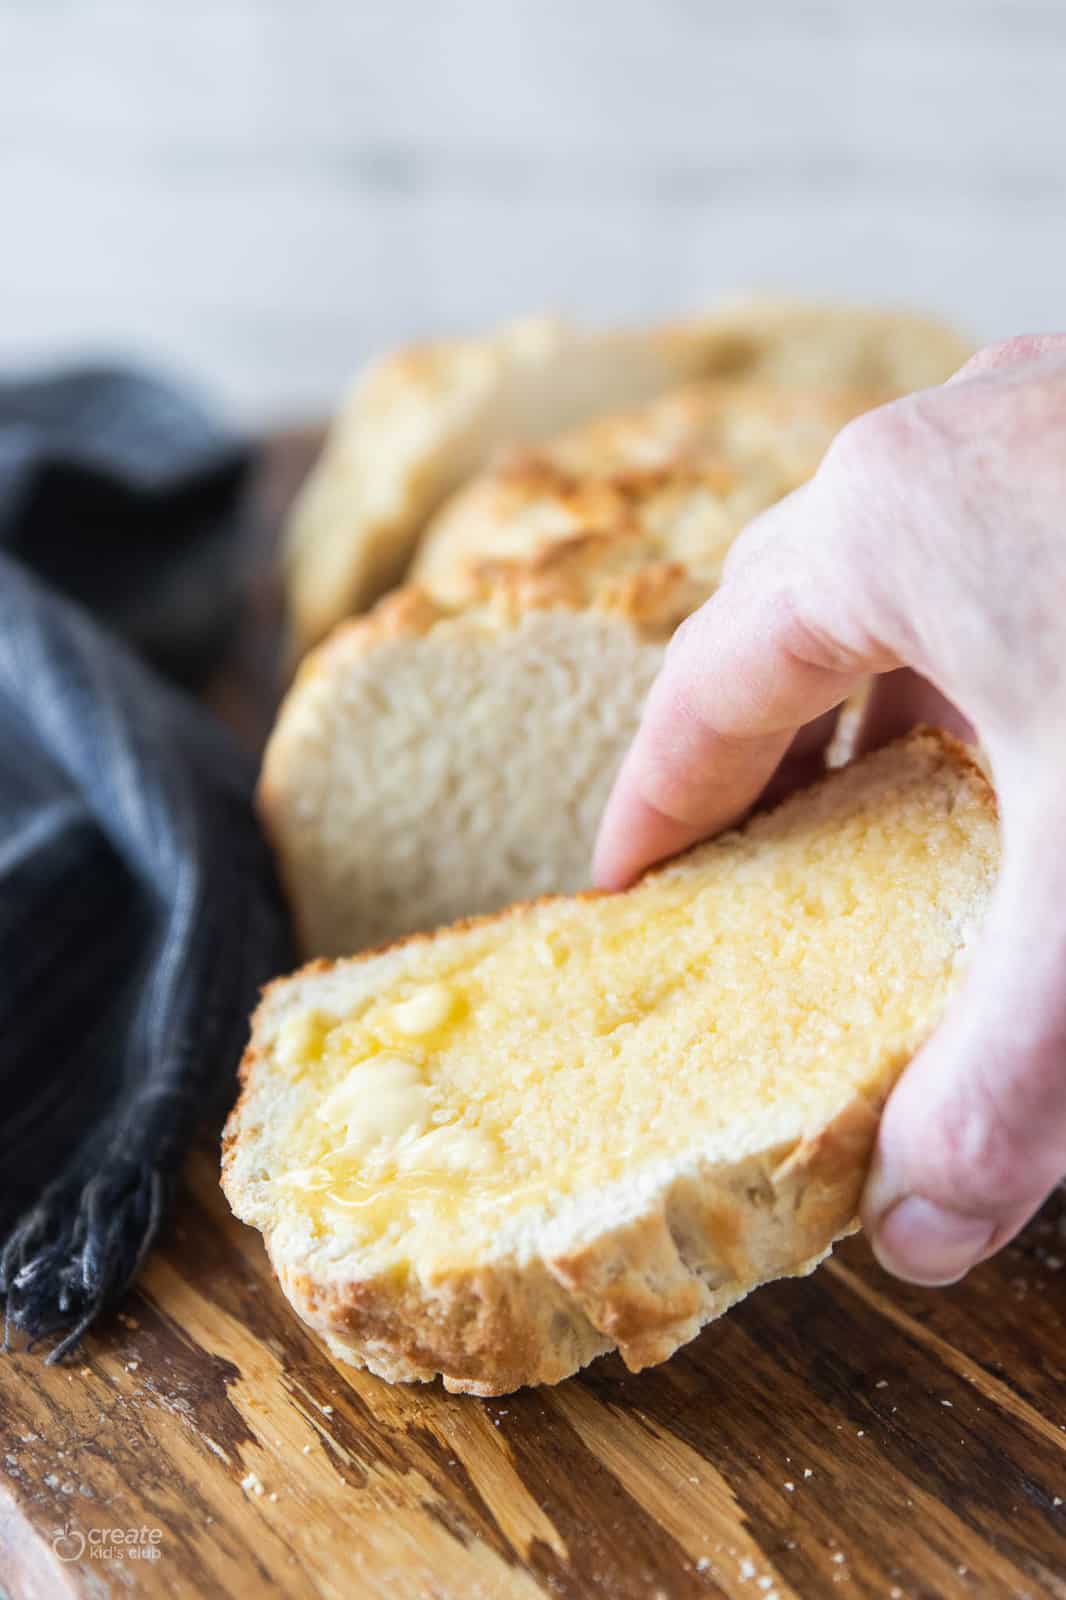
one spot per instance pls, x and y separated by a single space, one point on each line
121 492
139 911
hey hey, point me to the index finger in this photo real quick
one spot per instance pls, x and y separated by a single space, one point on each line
741 676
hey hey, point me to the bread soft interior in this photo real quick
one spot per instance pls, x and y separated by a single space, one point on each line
427 776
478 1092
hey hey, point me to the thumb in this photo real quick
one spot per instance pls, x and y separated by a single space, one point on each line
973 1137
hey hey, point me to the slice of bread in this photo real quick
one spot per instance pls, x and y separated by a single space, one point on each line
496 1152
431 763
422 421
813 344
689 470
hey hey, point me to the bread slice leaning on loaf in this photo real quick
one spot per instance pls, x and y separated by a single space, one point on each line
498 1151
430 763
423 420
690 469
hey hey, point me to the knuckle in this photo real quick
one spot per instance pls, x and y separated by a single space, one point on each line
978 1160
871 443
663 789
1021 347
808 644
669 761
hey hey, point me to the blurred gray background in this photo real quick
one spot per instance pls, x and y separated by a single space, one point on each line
262 192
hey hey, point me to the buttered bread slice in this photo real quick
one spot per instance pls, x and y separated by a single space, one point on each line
498 1151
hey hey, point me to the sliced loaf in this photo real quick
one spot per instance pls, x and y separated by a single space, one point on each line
422 421
497 1152
688 470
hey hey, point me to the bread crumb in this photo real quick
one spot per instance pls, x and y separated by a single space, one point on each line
1057 1501
946 1403
307 1449
791 1487
808 1472
251 1483
840 1557
703 1564
882 1383
747 1569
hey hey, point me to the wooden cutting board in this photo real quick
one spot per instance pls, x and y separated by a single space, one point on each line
840 1435
837 1435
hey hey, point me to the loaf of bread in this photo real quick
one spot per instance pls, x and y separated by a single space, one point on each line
498 1151
422 421
451 753
430 762
688 470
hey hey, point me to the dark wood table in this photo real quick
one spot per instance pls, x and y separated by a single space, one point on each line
840 1435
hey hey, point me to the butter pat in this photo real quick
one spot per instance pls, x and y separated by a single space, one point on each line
301 1038
427 1010
382 1099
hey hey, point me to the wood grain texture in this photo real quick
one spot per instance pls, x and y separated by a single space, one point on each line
837 1431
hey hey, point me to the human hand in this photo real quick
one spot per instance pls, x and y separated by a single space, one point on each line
930 550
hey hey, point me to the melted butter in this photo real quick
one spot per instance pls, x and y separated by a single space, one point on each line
544 1062
301 1040
380 1100
384 1153
342 1199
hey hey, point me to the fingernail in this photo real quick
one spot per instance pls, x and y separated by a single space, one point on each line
925 1243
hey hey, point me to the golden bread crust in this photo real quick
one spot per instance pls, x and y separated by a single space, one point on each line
686 473
423 421
420 421
645 1284
621 573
